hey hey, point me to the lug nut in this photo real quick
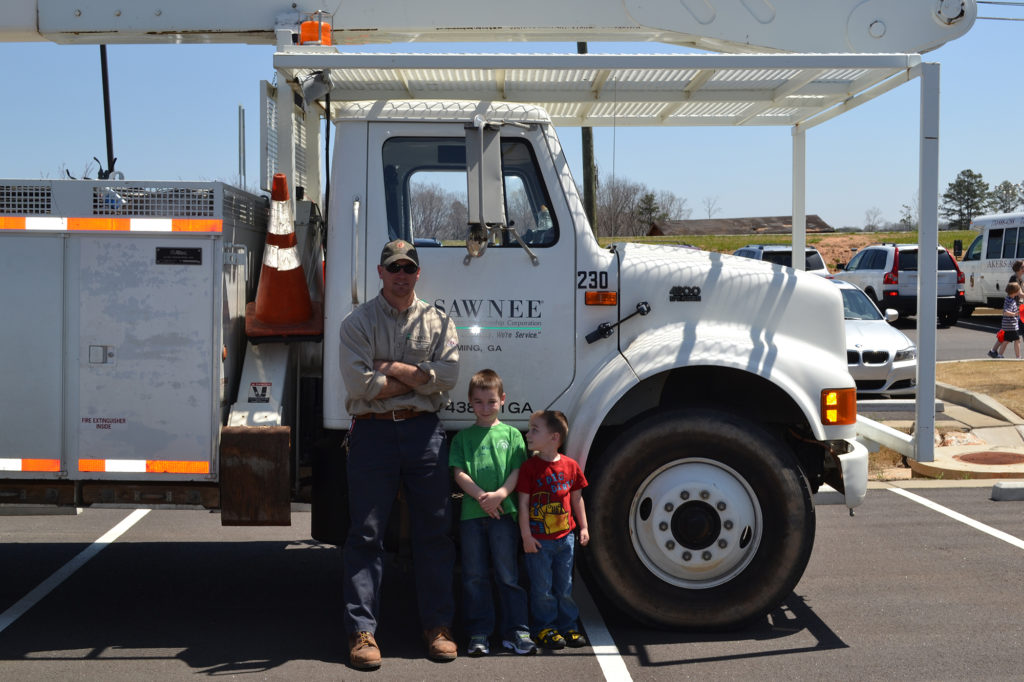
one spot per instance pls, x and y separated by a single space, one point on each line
727 525
704 494
685 494
670 545
662 526
687 556
720 506
706 556
669 506
723 544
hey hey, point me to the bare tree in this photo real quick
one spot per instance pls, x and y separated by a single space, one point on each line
872 219
910 214
616 209
672 207
431 212
710 206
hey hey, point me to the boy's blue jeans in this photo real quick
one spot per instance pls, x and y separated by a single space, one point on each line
550 571
492 545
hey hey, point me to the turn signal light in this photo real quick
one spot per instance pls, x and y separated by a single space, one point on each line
839 406
601 298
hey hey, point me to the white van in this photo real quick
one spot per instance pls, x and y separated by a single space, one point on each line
988 262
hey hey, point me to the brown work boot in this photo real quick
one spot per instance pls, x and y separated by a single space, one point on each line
363 651
440 645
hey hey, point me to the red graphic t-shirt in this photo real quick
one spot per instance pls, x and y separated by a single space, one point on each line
548 484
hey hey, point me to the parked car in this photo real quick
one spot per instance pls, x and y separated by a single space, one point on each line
881 359
781 254
888 274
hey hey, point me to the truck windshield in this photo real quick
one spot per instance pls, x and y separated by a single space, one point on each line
425 192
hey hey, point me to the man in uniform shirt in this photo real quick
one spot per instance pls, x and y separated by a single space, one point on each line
399 358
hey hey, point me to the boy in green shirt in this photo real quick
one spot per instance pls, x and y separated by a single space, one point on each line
486 459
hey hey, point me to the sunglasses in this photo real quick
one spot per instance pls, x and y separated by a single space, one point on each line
395 268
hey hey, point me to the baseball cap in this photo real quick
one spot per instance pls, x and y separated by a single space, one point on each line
396 250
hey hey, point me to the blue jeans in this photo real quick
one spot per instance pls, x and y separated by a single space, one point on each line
550 571
491 545
383 456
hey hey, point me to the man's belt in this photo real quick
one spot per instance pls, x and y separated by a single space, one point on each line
392 416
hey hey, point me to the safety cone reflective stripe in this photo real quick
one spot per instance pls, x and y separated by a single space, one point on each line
283 308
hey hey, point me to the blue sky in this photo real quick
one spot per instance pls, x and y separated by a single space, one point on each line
175 114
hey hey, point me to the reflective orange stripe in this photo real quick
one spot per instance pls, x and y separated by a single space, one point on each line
91 465
189 225
156 466
40 465
120 224
111 224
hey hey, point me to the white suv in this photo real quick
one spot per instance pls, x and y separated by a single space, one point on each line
888 274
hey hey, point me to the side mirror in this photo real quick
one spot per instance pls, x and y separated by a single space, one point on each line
841 266
891 315
486 192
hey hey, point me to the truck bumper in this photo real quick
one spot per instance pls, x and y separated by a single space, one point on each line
854 465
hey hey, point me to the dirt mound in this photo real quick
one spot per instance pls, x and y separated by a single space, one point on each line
839 248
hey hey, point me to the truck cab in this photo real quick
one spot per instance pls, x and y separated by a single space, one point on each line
708 395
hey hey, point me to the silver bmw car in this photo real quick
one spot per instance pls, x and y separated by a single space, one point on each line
882 360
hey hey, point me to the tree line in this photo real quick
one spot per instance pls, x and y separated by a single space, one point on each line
969 196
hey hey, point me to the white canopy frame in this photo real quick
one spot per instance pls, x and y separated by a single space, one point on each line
798 90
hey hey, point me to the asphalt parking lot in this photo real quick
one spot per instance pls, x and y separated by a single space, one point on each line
901 590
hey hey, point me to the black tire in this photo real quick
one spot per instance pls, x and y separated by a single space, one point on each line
966 311
658 492
948 319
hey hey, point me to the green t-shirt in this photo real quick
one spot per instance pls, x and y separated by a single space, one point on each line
488 455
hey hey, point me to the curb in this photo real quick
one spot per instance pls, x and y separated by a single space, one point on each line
979 402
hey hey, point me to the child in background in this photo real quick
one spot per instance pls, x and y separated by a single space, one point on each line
1011 323
486 459
550 505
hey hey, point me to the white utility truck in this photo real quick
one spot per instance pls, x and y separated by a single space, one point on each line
708 396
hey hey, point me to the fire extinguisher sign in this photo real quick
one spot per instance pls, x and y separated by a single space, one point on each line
259 392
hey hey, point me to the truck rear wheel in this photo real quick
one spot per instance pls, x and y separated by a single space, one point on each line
698 519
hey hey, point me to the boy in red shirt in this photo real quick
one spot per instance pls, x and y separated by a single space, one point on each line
549 486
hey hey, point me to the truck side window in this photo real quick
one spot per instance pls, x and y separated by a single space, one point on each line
425 193
974 250
855 261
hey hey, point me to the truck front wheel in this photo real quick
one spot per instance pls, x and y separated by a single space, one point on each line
698 519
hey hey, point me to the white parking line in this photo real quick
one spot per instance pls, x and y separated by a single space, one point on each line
64 572
1005 537
607 654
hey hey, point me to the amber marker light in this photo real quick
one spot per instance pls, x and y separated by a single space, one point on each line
601 298
839 406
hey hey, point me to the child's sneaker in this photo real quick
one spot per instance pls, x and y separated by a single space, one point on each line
520 643
574 639
993 354
478 646
550 639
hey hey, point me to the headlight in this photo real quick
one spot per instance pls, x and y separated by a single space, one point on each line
905 354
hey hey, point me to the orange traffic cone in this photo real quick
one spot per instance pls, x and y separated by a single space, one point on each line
283 309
